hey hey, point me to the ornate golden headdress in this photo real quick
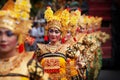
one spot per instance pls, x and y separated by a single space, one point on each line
15 16
65 20
88 22
62 19
52 20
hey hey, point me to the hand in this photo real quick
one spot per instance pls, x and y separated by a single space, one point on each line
45 76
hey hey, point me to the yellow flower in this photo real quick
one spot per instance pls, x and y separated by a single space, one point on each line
2 13
23 5
24 16
73 18
48 14
65 17
56 18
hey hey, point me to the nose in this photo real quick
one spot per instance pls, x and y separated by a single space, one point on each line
53 33
3 38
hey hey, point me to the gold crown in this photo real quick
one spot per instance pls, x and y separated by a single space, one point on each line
62 19
53 19
15 16
7 22
92 22
66 21
54 23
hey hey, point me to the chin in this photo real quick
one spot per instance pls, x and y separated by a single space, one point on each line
54 41
4 50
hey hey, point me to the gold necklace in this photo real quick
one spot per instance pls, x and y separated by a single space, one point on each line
7 65
53 48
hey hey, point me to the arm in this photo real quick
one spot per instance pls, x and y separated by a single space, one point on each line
36 71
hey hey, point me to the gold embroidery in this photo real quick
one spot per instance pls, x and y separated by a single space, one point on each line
52 65
7 65
53 48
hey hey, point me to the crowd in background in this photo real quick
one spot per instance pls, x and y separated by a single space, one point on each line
37 32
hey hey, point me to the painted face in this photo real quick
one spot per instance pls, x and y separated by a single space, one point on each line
68 35
8 40
83 30
54 34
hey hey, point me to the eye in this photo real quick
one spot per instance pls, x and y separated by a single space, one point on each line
51 30
9 33
68 32
56 31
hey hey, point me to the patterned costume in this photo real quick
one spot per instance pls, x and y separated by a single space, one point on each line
20 67
58 60
90 44
78 56
14 17
54 61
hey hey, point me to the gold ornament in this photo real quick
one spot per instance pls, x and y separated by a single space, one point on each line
15 16
7 65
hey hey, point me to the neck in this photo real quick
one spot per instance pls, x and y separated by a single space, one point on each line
4 55
54 43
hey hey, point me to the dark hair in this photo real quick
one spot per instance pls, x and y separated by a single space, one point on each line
35 24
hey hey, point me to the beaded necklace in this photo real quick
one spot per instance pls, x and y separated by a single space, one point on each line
53 48
9 64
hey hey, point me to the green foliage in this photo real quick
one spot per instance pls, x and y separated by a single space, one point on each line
2 2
